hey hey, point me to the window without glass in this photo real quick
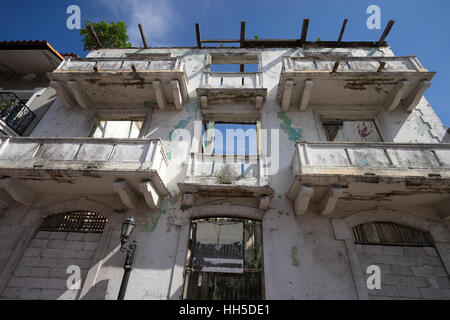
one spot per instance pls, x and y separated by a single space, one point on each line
224 260
351 130
118 129
230 138
223 62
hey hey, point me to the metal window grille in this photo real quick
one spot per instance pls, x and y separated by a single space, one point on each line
74 221
389 233
14 112
249 285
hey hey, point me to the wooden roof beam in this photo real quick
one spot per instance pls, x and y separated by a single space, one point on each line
341 34
386 31
144 41
304 30
242 67
242 33
197 32
94 35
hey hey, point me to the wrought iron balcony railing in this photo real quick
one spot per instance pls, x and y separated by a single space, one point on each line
14 112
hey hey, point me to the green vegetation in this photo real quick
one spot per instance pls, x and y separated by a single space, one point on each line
112 35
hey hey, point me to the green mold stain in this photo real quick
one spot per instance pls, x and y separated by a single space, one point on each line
421 125
191 108
147 104
151 223
294 134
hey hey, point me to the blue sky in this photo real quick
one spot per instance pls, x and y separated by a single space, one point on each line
421 27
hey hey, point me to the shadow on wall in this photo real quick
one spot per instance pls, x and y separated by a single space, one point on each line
446 138
98 291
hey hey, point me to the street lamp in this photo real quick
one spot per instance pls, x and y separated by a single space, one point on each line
127 228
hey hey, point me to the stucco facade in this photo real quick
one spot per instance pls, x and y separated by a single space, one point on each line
308 192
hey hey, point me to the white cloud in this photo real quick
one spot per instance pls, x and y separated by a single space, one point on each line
156 16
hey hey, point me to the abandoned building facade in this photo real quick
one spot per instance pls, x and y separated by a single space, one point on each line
266 171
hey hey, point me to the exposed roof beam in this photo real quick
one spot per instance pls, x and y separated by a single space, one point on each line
242 33
242 67
304 30
197 32
386 31
144 41
94 36
341 34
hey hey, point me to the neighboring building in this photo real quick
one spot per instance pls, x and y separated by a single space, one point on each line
339 164
25 94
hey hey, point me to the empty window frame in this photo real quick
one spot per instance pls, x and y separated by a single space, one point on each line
351 130
227 138
224 260
118 129
232 62
389 233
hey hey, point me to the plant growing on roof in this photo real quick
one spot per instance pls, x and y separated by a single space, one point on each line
113 35
5 106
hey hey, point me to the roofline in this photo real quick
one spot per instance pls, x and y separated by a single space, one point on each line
30 45
279 44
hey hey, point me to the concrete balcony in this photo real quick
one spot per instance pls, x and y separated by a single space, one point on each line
237 176
231 88
128 167
110 83
324 172
370 83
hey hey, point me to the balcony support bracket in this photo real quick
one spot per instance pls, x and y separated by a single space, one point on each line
419 91
82 100
150 195
264 202
176 92
188 199
395 97
287 96
302 201
160 98
306 94
63 94
259 102
129 198
18 191
204 102
329 201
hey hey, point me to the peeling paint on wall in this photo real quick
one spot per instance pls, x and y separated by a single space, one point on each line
294 134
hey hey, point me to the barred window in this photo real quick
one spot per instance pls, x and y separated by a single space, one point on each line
224 260
74 221
389 233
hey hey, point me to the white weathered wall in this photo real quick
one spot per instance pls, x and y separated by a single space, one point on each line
323 270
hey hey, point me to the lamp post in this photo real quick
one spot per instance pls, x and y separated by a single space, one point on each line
127 228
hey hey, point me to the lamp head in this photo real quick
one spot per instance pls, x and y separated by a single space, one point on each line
127 228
